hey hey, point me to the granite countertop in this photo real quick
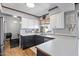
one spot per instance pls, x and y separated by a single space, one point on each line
60 46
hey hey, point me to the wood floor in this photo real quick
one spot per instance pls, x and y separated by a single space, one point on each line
17 51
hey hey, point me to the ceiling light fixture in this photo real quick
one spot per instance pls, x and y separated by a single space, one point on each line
15 22
30 5
14 16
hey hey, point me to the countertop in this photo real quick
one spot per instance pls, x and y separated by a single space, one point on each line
27 34
60 46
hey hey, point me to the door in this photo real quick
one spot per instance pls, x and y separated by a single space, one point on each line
12 26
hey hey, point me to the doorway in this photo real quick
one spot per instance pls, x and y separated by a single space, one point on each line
11 30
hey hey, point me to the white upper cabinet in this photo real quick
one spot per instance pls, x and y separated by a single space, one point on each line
57 20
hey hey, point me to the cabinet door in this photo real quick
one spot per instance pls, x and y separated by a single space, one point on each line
39 40
57 20
53 21
27 41
60 20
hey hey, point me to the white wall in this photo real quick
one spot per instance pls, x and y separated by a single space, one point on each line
11 27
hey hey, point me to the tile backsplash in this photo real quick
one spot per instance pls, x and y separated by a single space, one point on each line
28 30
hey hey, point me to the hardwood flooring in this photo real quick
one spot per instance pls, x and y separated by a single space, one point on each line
17 51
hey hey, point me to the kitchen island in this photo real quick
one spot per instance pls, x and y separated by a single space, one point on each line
27 41
61 45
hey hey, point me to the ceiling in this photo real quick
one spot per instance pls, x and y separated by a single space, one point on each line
39 9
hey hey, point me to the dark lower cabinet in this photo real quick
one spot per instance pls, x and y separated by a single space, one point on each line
27 45
38 39
14 43
31 40
27 41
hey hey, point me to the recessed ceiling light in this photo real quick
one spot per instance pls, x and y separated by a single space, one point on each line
14 16
30 5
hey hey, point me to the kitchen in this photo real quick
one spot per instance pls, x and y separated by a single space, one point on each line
48 29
